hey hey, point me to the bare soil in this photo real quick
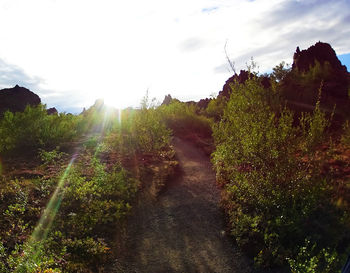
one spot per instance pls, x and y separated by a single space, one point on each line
182 229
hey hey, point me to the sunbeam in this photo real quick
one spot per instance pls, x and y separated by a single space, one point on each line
119 116
32 249
46 220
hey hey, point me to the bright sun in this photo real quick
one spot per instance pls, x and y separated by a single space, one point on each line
120 101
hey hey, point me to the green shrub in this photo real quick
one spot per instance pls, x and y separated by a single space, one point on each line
309 261
88 203
2 257
53 157
140 130
183 119
273 198
21 203
24 132
149 130
216 108
99 118
34 257
95 199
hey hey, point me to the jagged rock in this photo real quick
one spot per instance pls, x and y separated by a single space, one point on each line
203 103
52 111
321 52
16 99
333 75
241 78
167 100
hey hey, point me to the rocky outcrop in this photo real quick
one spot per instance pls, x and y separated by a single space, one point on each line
327 71
16 99
167 100
52 111
320 52
241 78
203 103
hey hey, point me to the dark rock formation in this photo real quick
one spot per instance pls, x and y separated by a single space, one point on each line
203 103
318 68
16 99
321 52
241 78
52 111
333 75
167 100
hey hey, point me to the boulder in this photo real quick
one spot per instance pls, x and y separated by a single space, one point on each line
16 99
52 111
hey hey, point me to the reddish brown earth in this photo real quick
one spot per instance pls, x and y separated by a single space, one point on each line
181 230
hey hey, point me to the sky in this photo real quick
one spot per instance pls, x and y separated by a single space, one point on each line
72 52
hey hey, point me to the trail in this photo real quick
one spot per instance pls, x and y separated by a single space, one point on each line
182 231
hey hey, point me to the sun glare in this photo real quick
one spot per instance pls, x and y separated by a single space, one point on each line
116 100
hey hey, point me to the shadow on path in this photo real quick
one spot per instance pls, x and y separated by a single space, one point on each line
182 231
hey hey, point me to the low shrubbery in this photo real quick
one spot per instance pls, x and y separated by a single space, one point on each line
25 132
184 119
95 199
84 203
140 131
64 220
279 206
216 108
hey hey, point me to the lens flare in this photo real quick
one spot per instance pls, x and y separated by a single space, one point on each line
46 220
33 248
104 122
120 116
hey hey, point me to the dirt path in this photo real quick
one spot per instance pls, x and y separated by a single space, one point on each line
183 230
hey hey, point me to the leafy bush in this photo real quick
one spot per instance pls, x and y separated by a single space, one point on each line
53 157
300 88
183 119
140 130
216 108
99 118
274 194
306 261
88 203
95 200
280 71
149 131
60 222
21 203
34 257
23 132
303 86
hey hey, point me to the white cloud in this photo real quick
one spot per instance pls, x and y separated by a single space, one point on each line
119 49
